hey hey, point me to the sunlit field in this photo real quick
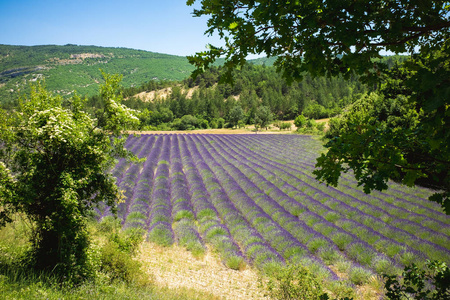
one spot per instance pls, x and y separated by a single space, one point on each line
254 200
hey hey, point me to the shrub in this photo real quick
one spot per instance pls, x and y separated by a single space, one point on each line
320 126
220 123
116 263
129 240
116 255
235 262
53 161
359 275
300 121
213 124
204 124
285 125
310 123
292 282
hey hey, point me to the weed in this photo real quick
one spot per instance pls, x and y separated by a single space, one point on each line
291 282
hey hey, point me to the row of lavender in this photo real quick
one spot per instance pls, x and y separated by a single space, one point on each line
253 198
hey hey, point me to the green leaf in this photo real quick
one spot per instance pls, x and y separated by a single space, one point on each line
233 25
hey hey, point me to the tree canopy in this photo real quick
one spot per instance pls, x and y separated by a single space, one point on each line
54 159
346 37
401 133
321 37
263 117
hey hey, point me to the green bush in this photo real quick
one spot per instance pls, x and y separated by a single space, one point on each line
282 125
310 123
228 125
320 126
204 124
117 263
300 121
235 262
220 123
116 257
316 111
292 282
285 125
213 124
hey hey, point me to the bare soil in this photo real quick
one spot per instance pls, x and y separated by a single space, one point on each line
174 267
248 130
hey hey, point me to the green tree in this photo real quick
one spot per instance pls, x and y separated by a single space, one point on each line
53 168
346 37
395 135
315 111
263 117
236 114
321 36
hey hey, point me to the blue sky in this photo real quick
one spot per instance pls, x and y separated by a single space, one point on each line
165 26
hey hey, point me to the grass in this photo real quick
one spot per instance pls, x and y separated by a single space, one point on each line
17 282
17 286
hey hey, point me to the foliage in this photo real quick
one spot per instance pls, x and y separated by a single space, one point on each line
292 281
53 163
431 283
401 135
263 117
309 126
300 121
283 125
310 123
320 37
241 124
187 122
317 111
220 123
236 114
254 86
116 258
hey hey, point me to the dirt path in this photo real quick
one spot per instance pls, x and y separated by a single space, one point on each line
248 130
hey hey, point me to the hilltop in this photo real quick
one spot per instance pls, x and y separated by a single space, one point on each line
72 67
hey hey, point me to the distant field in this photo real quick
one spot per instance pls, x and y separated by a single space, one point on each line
70 68
253 198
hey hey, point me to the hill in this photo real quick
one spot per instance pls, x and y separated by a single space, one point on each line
72 67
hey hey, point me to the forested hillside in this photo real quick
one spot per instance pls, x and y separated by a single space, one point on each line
71 67
255 85
159 86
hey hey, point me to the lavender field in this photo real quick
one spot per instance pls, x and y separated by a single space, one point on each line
254 200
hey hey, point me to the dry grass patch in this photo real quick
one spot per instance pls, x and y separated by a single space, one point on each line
176 268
